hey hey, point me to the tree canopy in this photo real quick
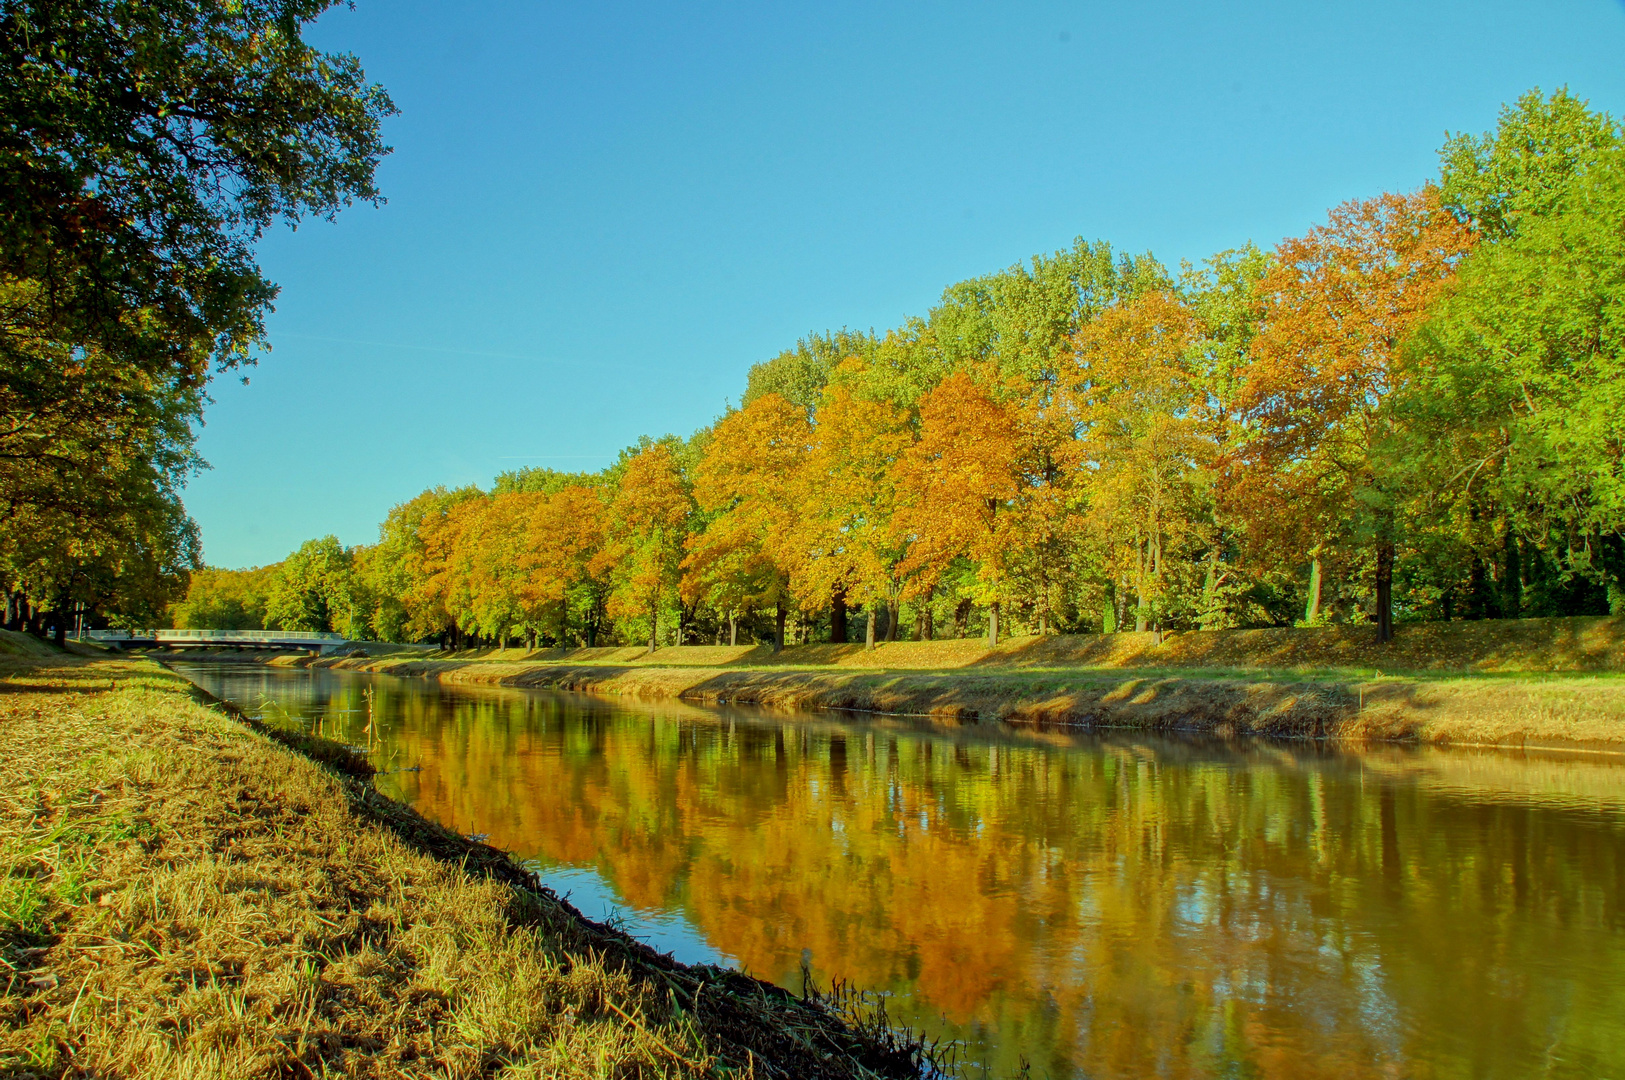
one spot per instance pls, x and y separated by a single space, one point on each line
1413 410
144 148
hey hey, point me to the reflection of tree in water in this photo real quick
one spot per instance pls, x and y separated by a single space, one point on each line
1111 907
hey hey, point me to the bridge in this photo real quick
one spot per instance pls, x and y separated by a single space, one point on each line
207 639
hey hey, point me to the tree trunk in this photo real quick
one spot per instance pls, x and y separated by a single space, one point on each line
893 611
59 629
1311 609
733 628
993 624
1511 578
837 617
927 620
869 632
962 619
1385 592
778 628
654 629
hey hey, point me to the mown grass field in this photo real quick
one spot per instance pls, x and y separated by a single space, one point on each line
183 897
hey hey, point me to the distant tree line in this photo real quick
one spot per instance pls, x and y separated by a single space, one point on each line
1415 411
144 148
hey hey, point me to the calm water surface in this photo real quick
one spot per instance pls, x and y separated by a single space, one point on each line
1094 906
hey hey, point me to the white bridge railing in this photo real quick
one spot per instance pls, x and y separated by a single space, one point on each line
220 637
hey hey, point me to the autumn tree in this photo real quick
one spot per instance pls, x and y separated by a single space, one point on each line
958 487
846 496
406 569
1146 451
1315 467
562 537
749 481
646 531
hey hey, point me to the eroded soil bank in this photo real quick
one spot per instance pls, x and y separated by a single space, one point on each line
181 896
1515 683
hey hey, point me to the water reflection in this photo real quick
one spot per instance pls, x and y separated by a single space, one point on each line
1114 906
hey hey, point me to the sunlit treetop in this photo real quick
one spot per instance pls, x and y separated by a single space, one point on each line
144 147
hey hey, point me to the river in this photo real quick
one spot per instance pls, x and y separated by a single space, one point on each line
1105 906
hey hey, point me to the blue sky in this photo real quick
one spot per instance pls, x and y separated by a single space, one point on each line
601 215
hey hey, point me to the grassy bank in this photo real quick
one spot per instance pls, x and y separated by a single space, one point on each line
1534 682
185 897
1506 646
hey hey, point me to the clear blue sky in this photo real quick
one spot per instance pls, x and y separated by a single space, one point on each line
600 215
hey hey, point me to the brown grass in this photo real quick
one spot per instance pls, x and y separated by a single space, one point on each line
183 897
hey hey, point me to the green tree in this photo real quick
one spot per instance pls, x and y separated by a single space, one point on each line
219 599
144 148
316 589
1525 166
1522 412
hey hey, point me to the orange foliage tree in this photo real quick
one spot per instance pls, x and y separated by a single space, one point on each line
433 594
563 534
1314 467
749 480
959 487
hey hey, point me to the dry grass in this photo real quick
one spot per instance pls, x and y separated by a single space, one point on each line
183 897
1593 645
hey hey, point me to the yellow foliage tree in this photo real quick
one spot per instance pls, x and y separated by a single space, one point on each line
647 527
1146 448
749 479
846 497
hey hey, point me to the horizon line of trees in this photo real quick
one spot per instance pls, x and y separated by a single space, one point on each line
1414 411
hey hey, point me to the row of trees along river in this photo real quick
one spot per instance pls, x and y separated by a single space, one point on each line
1416 410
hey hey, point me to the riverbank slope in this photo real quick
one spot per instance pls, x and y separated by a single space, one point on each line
1515 683
183 896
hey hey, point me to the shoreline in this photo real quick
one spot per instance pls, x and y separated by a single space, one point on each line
1577 713
212 899
1532 683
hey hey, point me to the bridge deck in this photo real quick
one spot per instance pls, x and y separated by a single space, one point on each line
259 639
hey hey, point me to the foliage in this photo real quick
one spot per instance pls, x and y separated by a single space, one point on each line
219 599
316 588
1147 454
748 482
647 530
1521 417
144 148
1314 468
1412 411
